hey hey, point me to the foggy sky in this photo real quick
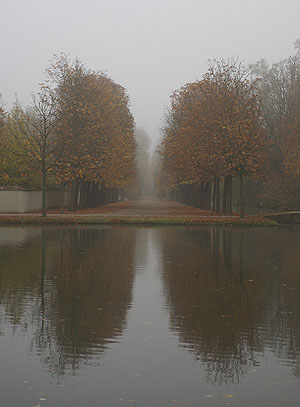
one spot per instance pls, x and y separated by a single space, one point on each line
151 47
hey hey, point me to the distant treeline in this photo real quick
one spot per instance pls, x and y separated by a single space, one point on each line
237 125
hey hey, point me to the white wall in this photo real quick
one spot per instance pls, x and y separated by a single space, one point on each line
27 201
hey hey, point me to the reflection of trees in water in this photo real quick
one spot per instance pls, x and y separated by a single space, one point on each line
19 277
79 294
231 293
226 295
283 314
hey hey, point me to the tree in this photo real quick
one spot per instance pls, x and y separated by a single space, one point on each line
237 120
280 90
80 129
214 129
32 137
97 126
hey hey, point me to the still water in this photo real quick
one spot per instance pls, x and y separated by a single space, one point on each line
149 317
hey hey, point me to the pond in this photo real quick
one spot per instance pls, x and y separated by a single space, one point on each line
150 317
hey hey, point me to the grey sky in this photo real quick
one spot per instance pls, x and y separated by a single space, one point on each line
150 47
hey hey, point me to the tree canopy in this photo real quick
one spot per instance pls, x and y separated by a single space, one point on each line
79 131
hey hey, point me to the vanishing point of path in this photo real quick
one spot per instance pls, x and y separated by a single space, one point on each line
150 210
149 207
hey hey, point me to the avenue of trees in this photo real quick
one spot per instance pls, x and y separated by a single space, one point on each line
144 178
230 139
238 126
78 132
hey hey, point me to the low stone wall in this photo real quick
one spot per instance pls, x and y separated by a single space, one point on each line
27 201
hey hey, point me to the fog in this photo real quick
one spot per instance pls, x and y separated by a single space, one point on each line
149 47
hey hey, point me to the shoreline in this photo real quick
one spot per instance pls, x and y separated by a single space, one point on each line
13 220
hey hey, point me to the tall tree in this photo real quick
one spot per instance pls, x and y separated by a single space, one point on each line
99 153
280 89
32 137
237 120
213 130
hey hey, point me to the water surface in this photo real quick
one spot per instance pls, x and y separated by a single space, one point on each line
164 316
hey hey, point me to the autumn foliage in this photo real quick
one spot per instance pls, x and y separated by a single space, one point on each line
213 131
96 130
84 141
279 84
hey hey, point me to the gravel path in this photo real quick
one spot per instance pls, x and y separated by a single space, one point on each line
145 207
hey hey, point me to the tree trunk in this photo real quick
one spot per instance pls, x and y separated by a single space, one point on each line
197 197
62 190
214 196
73 204
88 194
94 195
241 196
229 195
192 195
217 196
208 196
201 196
115 195
105 196
182 200
101 194
83 195
225 195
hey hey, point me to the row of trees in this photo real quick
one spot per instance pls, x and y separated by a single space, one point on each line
213 130
280 91
236 122
78 131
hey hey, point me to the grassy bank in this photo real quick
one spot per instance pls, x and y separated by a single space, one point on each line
98 220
